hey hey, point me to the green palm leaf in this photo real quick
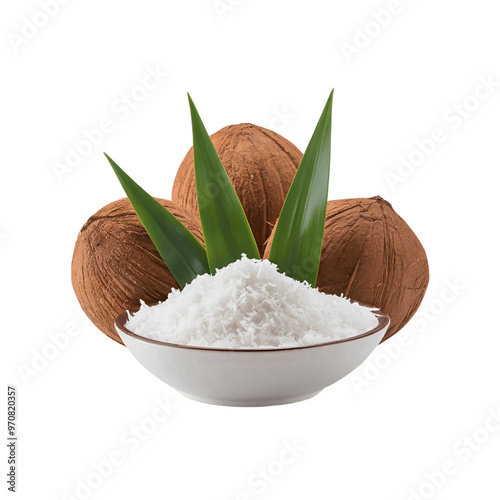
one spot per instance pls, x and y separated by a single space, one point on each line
226 231
298 238
183 254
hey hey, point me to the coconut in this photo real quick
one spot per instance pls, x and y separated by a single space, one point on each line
116 265
371 255
261 165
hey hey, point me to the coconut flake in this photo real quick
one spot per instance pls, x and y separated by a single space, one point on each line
250 305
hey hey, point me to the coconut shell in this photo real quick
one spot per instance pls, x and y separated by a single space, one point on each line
261 165
115 263
371 255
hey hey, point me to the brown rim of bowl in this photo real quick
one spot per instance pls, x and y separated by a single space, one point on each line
383 321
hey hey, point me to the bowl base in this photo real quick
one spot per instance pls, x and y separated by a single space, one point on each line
250 402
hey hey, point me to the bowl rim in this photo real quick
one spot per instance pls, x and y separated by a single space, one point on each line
383 322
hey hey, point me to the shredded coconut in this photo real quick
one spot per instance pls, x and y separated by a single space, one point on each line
250 305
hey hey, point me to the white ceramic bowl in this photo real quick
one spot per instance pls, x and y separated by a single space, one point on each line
251 377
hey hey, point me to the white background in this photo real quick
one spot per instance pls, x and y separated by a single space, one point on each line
380 433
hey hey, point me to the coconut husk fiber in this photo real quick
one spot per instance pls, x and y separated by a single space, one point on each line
115 263
261 165
371 255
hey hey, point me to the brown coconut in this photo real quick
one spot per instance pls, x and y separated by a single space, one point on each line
370 254
261 165
115 263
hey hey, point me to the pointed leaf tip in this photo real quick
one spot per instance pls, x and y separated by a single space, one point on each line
226 230
298 238
183 254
